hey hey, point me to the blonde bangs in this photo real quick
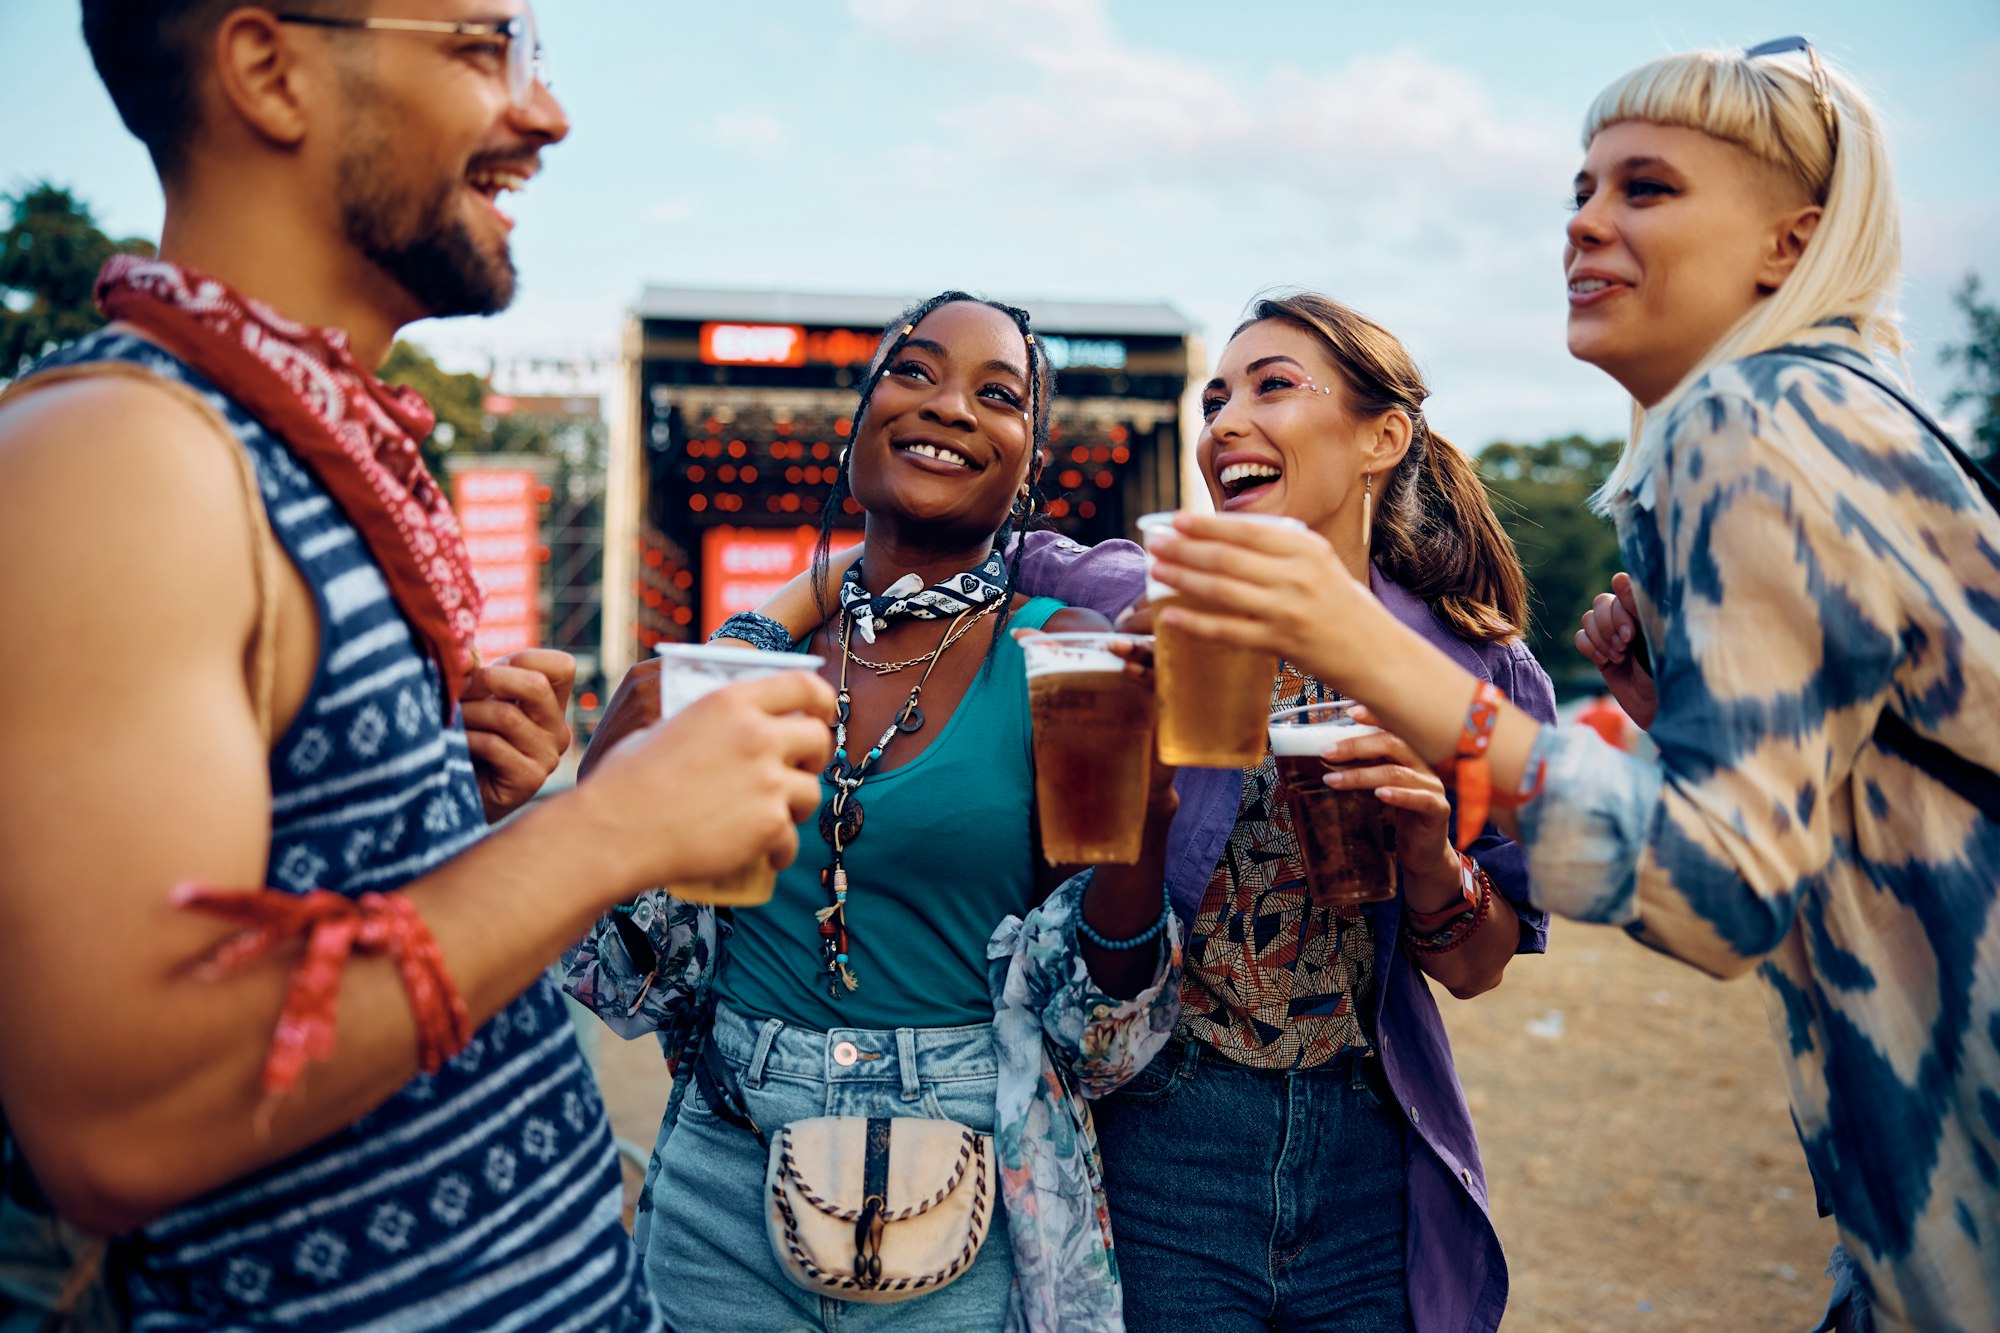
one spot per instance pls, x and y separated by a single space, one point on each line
1851 266
1764 106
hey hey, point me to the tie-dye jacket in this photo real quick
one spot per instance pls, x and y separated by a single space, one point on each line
1808 556
1059 1039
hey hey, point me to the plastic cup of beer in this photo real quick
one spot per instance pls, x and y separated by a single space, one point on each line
1215 698
687 672
1093 729
1347 839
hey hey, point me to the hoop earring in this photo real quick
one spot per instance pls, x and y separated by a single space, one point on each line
1367 511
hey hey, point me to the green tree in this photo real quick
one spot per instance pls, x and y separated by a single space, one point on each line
49 257
1569 553
1978 360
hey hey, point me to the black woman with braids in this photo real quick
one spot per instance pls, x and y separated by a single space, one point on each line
946 981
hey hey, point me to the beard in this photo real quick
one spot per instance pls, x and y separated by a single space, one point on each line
418 237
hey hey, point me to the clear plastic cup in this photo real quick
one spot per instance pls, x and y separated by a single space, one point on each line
1093 728
687 672
1214 698
1347 839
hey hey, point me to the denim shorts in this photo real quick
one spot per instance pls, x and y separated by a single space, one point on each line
701 1230
1248 1199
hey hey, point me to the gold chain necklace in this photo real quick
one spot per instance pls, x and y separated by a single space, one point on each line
958 631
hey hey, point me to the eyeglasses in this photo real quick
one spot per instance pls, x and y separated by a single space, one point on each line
525 66
1821 87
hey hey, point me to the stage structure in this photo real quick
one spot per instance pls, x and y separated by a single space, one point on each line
735 407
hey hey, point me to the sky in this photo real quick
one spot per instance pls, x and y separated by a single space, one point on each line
1412 159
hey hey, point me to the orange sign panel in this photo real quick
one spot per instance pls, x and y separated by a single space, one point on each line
742 567
501 515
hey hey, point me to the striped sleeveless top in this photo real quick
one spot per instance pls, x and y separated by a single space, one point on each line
486 1196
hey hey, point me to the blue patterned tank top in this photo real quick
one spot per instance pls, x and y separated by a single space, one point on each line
486 1196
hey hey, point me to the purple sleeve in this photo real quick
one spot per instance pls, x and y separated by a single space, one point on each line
1106 578
1521 678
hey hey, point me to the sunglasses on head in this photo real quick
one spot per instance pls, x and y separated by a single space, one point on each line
1821 87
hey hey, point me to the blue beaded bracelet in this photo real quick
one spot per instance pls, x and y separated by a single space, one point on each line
1147 936
755 630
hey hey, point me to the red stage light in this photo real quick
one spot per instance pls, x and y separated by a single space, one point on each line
1119 435
1070 479
1105 479
841 427
697 503
737 449
683 579
821 450
696 472
1079 455
1101 454
1121 455
587 701
1088 509
654 555
748 474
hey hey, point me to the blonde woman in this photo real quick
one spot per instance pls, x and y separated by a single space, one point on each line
1818 582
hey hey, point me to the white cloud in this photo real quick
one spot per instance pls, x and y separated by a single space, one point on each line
757 131
1392 180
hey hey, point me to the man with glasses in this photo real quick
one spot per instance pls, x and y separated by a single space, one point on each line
273 1011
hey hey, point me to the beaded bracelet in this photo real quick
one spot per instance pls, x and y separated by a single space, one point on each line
757 631
1146 936
1459 929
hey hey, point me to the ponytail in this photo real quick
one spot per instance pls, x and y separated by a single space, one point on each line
1435 533
1437 536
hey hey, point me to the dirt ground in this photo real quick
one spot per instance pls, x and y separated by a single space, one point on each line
1642 1165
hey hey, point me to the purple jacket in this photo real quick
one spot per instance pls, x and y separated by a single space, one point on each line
1457 1275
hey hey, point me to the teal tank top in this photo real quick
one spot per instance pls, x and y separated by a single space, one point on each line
946 854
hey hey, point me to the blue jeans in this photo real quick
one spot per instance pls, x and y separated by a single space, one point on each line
1248 1199
706 1251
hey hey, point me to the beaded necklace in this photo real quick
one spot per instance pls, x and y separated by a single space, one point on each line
840 819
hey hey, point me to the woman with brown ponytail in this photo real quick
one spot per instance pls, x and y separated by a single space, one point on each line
1300 1155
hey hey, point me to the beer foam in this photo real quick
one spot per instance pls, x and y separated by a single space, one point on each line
1291 739
690 670
1061 654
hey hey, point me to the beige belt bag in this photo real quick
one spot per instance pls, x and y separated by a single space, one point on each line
878 1210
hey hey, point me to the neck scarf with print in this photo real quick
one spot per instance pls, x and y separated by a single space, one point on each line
356 434
908 599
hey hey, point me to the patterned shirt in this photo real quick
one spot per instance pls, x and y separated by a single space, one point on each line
1809 558
1272 981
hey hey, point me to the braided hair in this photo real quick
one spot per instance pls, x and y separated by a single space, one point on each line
1041 390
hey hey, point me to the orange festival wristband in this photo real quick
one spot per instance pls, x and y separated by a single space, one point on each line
1472 775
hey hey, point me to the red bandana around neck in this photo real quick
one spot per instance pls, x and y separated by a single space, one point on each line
358 435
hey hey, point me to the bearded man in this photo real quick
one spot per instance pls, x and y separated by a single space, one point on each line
250 759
